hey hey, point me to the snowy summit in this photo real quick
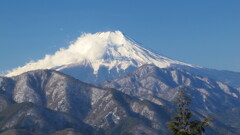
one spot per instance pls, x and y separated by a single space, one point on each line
108 49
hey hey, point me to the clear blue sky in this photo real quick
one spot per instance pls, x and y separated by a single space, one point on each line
200 32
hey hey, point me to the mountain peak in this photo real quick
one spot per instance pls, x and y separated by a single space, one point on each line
110 49
111 37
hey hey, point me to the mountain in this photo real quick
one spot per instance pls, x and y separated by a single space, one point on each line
39 120
53 90
35 99
162 82
135 89
118 113
94 58
95 55
210 97
228 77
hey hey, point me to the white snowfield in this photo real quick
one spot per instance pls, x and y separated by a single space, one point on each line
109 49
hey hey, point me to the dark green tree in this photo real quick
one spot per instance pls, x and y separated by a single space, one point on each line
182 123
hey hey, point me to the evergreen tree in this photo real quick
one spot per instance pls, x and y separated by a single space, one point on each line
182 123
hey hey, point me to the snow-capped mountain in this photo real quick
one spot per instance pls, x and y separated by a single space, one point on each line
112 51
102 56
150 83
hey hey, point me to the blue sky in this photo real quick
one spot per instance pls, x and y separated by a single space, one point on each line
200 32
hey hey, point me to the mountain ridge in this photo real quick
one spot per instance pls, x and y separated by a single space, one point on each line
110 110
94 58
83 102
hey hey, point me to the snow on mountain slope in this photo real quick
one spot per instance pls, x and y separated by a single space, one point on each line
53 90
94 58
108 49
